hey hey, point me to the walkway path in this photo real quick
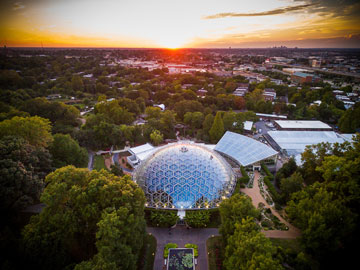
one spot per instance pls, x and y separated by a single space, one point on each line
181 236
255 195
91 160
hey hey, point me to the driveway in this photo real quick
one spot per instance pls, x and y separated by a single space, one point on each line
181 236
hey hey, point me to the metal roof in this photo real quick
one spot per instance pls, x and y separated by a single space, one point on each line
302 124
243 149
298 140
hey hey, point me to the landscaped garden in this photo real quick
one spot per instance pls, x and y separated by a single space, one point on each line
99 163
181 259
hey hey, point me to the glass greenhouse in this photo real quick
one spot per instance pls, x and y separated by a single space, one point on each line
185 175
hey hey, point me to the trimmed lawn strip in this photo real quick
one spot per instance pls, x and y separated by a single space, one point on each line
99 163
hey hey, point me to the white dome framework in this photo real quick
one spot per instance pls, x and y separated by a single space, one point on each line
185 175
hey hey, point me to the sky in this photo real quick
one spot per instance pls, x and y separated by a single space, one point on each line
180 24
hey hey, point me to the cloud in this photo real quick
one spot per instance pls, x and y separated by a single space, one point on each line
18 5
264 13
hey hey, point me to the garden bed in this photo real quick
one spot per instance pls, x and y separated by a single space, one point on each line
181 258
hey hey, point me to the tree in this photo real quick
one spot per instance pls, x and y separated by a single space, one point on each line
156 137
66 151
207 124
325 221
35 130
22 171
217 129
248 248
291 185
84 209
233 210
77 83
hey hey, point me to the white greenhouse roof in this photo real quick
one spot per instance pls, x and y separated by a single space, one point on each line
348 137
296 141
248 125
243 149
302 124
143 151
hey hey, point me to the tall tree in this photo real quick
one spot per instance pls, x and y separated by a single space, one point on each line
22 171
92 216
66 151
248 248
234 210
217 129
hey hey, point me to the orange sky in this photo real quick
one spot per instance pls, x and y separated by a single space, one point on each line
174 24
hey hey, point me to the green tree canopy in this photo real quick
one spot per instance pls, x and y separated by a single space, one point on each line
217 129
35 130
94 216
156 137
248 248
22 171
66 151
233 210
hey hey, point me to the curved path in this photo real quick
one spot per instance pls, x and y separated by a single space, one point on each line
255 195
181 236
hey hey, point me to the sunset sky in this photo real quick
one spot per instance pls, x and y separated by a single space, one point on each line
175 24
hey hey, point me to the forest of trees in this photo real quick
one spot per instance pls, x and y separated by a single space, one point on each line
95 220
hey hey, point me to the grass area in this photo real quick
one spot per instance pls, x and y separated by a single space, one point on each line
99 163
291 244
147 255
215 251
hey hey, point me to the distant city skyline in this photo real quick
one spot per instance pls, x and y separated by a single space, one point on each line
180 24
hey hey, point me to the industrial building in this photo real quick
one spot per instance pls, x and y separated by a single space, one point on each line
303 125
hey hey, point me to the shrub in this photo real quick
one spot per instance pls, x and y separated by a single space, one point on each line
195 247
161 218
275 195
266 223
197 218
166 249
266 170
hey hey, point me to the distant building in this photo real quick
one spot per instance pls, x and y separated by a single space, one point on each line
201 92
269 94
248 126
265 116
161 106
300 77
53 96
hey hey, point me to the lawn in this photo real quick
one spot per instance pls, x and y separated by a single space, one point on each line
215 251
147 255
292 244
99 163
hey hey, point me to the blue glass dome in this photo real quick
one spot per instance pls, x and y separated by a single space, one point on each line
185 175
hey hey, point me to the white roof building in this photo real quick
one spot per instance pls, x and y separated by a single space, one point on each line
248 125
301 125
295 142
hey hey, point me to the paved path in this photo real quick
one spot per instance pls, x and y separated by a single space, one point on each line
255 195
91 160
181 236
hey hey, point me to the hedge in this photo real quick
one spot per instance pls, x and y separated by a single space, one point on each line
245 177
195 247
161 218
166 249
275 195
266 170
197 218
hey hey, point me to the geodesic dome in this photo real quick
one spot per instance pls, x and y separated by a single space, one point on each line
185 175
